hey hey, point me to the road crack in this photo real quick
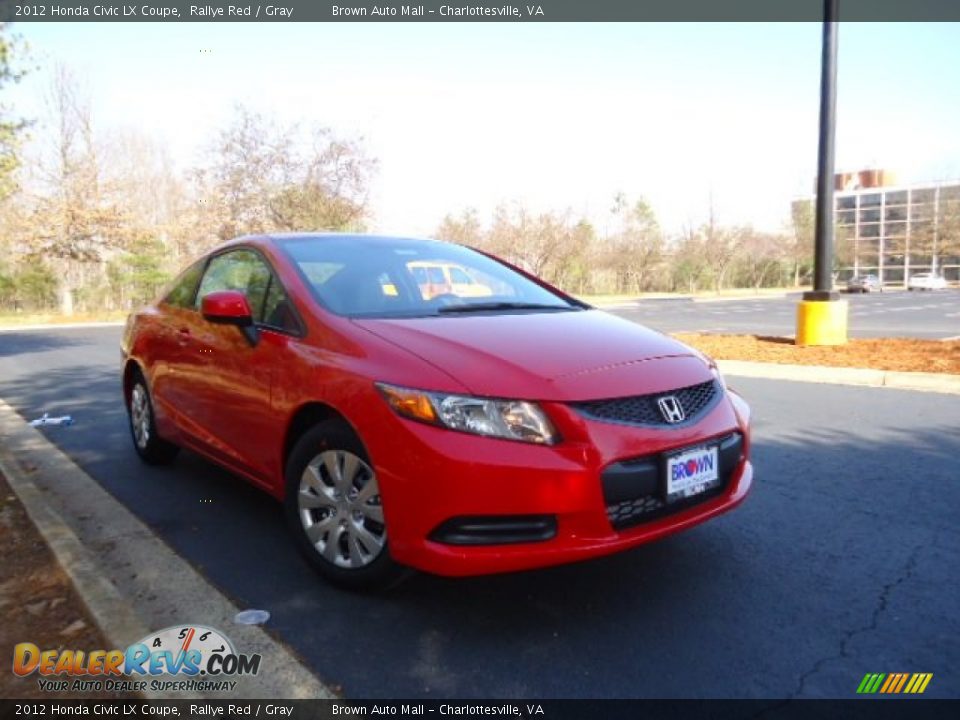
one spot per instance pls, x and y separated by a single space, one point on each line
882 600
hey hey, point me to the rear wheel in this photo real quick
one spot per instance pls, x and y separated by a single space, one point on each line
334 509
151 448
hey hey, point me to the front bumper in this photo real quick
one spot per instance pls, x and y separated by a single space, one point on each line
430 477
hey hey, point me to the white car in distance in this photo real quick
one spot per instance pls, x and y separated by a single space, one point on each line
926 281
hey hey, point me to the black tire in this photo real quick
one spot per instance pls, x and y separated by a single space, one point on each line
381 572
151 448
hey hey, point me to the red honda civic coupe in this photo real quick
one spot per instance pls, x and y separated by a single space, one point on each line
420 404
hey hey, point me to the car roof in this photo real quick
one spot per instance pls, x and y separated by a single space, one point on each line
366 237
434 263
278 238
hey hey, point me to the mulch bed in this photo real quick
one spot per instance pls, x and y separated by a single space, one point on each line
38 604
898 354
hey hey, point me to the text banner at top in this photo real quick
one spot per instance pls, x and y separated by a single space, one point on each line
472 11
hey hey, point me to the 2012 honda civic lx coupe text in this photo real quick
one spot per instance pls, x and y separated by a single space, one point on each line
493 424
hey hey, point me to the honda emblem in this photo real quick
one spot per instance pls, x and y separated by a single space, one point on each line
671 409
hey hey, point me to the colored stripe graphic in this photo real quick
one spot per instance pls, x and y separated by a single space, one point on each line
894 683
891 679
870 683
918 683
903 681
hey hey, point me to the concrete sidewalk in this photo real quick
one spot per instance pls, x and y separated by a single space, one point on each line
923 382
130 580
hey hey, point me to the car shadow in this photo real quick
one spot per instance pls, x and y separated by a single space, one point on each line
23 343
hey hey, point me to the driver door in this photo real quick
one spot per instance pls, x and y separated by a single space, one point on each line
231 379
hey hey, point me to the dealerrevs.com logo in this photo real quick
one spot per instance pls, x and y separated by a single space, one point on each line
190 658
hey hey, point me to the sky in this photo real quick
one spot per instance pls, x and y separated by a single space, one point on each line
550 115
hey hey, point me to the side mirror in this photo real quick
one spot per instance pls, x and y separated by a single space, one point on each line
230 307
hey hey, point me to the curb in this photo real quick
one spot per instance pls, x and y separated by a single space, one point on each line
121 569
923 382
109 611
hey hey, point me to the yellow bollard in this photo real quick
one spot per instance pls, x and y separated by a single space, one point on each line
822 322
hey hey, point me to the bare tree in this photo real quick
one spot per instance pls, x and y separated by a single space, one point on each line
760 258
721 246
800 245
549 245
11 128
634 252
268 177
688 264
844 254
75 222
464 229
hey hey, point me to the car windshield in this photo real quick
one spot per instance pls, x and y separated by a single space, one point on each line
360 276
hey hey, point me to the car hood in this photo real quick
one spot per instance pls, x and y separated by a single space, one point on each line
561 356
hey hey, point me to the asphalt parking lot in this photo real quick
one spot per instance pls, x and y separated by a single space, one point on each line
840 563
930 315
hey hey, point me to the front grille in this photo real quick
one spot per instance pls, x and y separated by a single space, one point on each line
694 400
629 512
635 490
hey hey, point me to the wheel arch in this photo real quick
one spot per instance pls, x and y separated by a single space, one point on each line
307 416
130 368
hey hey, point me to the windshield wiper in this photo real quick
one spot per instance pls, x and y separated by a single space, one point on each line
485 307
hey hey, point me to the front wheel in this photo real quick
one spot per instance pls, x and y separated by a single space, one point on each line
334 509
151 448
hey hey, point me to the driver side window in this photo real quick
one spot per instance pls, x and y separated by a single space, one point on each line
239 270
246 272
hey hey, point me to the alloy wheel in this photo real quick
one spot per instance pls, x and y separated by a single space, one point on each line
140 416
340 509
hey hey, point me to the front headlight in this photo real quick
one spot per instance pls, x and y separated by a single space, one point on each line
509 419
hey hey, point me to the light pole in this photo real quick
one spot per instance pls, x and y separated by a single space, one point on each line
821 315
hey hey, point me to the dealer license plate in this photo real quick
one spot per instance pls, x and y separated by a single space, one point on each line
692 472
